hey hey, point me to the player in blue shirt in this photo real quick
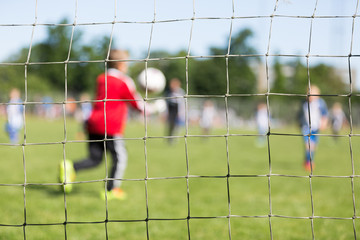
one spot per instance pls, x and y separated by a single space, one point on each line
312 123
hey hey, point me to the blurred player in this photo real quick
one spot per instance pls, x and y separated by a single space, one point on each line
83 113
85 107
47 109
14 113
207 117
113 85
70 107
175 106
262 123
318 121
337 118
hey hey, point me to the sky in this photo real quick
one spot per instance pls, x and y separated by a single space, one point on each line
289 35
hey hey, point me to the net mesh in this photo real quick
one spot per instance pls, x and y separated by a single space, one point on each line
188 177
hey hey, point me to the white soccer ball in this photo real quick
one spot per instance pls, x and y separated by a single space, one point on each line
152 79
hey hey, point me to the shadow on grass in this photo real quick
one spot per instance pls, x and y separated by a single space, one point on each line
57 191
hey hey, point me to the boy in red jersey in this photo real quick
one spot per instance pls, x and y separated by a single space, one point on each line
114 91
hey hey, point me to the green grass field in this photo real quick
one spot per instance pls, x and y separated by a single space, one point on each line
167 206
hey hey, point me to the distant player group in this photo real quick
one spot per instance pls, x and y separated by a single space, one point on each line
115 91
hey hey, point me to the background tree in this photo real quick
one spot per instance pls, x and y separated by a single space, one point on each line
297 80
280 83
53 51
208 76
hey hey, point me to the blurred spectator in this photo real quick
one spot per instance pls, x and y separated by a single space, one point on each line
47 109
14 113
207 117
262 123
175 106
70 107
83 113
337 118
313 118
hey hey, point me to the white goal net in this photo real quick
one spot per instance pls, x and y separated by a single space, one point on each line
234 163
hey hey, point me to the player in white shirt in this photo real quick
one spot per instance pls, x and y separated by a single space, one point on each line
312 123
14 112
207 117
262 122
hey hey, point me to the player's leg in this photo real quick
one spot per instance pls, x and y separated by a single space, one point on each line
336 127
96 151
310 147
261 139
12 133
307 163
173 112
119 157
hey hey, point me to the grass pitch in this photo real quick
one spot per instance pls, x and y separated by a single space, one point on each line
210 204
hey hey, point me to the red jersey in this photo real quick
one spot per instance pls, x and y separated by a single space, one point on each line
117 91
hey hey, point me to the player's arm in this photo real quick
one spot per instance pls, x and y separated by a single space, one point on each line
133 97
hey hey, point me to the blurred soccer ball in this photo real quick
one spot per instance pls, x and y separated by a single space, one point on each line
152 79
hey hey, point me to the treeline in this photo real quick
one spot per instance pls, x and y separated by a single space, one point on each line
47 71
